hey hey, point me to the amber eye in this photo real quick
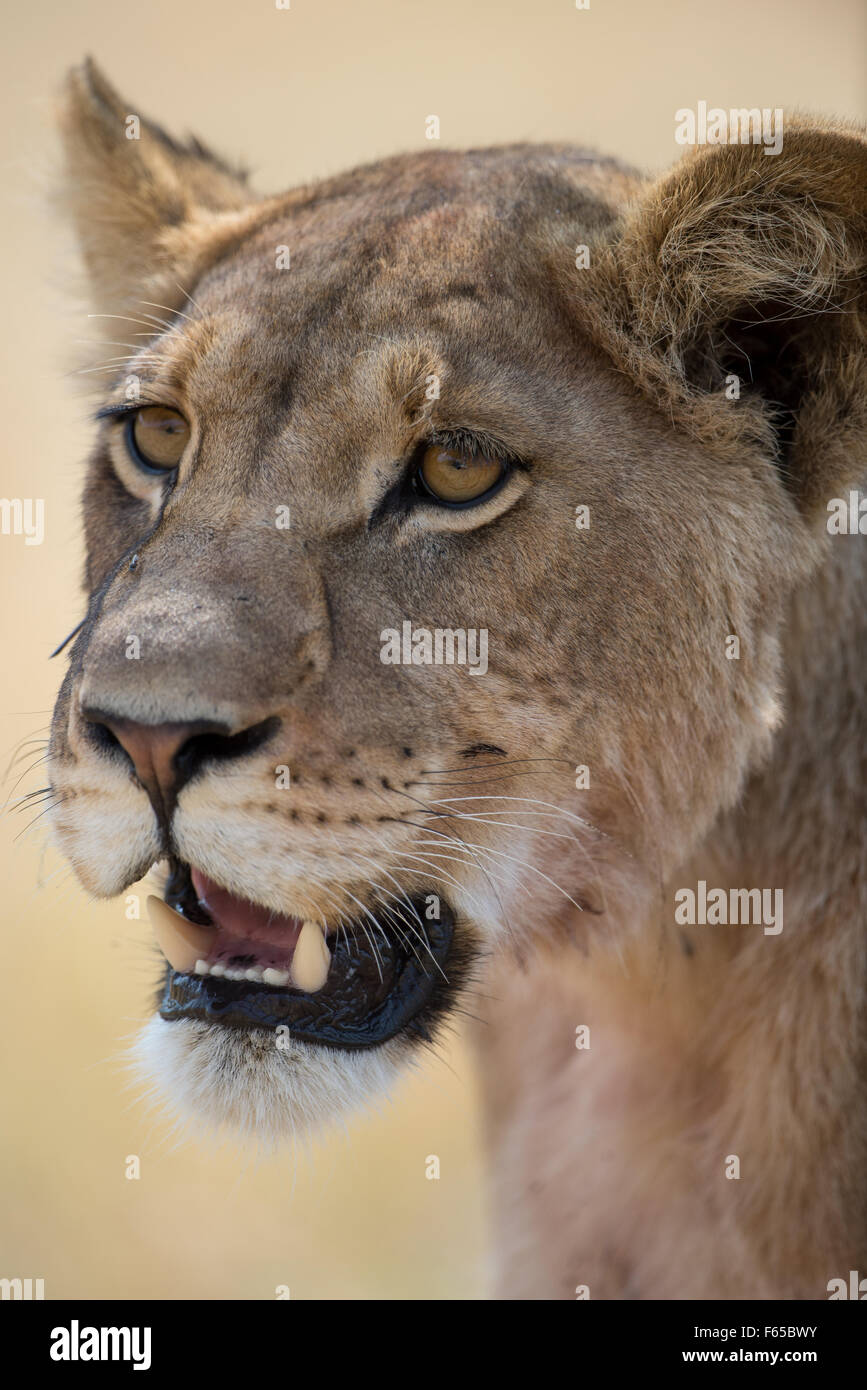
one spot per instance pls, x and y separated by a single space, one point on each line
454 477
157 437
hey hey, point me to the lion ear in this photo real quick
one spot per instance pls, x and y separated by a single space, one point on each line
142 203
734 293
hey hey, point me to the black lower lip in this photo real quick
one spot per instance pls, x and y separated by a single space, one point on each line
369 996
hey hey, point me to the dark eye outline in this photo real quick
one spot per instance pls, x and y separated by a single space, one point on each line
469 448
154 469
410 490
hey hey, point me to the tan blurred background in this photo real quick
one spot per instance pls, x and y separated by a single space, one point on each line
295 93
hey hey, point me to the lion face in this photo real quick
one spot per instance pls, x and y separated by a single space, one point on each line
409 624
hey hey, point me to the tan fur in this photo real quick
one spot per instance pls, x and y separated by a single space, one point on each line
307 388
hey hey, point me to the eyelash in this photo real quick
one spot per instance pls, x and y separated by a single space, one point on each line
466 442
120 413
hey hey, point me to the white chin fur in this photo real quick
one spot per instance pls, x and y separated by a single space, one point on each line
210 1077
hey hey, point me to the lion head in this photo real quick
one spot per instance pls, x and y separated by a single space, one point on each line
440 523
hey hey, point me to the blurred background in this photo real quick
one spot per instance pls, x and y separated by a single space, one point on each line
294 93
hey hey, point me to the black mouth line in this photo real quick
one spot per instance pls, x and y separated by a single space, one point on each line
395 977
181 895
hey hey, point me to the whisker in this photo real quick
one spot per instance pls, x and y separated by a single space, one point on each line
190 298
38 818
501 854
530 801
418 802
135 348
127 318
399 923
169 310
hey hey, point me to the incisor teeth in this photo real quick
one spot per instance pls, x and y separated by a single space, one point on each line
181 942
270 976
311 959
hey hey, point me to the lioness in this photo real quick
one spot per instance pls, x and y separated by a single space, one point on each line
477 619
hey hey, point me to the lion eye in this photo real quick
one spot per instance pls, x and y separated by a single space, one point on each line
453 477
157 437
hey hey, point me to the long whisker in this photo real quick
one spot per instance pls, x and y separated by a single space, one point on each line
135 348
26 773
404 854
169 310
115 367
50 807
424 806
401 890
127 318
530 801
512 859
343 919
508 825
23 751
190 298
20 801
398 925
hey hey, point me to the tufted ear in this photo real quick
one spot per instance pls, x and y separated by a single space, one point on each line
144 205
741 264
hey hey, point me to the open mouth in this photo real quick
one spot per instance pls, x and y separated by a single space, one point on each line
234 962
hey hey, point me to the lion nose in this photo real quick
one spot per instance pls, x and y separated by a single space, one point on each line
166 757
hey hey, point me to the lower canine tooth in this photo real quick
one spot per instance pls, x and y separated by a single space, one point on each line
311 959
181 942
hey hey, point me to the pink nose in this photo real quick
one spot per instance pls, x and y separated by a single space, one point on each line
154 751
166 756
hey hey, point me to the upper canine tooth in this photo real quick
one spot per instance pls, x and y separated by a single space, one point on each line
311 959
182 942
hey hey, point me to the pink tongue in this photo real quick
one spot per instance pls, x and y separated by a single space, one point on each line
243 920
